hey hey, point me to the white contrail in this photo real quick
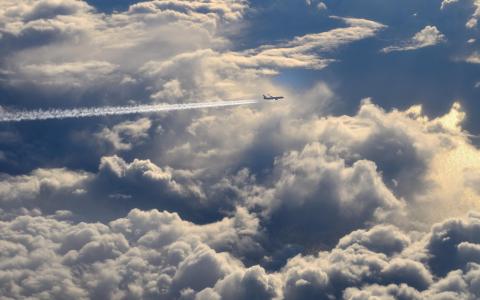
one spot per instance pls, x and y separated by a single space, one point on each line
32 115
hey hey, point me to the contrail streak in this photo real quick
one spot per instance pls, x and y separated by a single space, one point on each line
110 110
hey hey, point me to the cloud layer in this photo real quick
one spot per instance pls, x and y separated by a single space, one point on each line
158 255
374 249
293 200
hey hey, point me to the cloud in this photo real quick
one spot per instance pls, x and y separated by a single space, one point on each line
153 254
41 184
391 291
383 239
251 283
392 161
317 182
145 255
473 58
47 9
407 150
328 274
315 190
300 52
319 5
116 182
183 75
312 159
399 152
473 21
446 3
72 29
456 278
122 135
138 56
457 238
70 74
277 201
228 10
114 172
427 37
40 23
325 275
171 90
161 73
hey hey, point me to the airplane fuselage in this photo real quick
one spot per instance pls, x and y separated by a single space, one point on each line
272 98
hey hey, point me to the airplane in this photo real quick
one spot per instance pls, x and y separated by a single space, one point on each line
270 97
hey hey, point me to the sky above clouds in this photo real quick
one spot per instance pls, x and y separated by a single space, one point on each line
362 184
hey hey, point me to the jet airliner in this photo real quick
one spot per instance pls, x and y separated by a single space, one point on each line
272 98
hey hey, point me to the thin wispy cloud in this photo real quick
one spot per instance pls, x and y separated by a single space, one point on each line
307 51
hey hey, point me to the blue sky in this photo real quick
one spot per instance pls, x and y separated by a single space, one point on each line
362 182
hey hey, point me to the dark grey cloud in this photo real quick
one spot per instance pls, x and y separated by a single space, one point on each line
453 244
383 239
313 190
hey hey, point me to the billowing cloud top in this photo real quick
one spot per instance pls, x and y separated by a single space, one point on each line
361 184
